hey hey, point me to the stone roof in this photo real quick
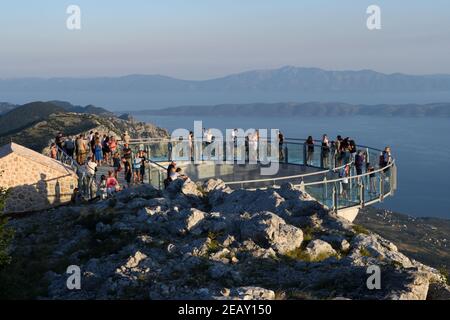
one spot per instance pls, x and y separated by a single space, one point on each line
14 148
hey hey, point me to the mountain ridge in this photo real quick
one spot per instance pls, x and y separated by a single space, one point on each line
285 78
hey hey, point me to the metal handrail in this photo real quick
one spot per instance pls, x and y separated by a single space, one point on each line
290 177
317 143
391 164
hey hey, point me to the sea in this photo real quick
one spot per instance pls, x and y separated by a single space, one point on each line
420 145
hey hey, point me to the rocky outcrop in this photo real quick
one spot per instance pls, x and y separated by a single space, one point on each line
319 250
269 230
204 241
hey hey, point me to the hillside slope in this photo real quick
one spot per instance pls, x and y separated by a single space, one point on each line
205 241
38 135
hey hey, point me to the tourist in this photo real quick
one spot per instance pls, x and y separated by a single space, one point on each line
59 140
112 145
173 176
53 151
128 173
105 148
81 149
385 159
345 182
126 138
91 169
352 149
191 145
360 161
169 150
103 188
90 136
253 146
143 157
116 163
208 137
127 153
337 150
171 168
112 185
345 148
325 151
280 146
92 143
137 161
69 146
98 151
309 145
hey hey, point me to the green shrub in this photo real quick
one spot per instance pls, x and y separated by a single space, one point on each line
360 229
444 272
364 252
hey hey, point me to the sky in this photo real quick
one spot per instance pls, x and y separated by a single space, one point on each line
202 39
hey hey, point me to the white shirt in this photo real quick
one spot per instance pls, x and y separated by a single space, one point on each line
90 167
208 136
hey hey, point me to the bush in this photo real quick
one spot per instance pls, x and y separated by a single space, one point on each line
360 229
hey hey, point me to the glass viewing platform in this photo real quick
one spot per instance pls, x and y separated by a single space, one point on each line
318 172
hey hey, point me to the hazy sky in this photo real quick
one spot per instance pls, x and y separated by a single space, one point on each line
199 39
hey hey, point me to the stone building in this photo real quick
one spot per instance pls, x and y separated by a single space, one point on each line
34 181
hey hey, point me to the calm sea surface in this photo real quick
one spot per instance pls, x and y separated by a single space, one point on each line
421 147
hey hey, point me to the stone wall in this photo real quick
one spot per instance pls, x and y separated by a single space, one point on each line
34 186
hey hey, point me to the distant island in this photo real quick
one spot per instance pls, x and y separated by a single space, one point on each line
294 109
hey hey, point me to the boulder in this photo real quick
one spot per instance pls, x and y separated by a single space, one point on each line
133 261
378 248
194 218
213 184
240 201
269 230
189 188
319 250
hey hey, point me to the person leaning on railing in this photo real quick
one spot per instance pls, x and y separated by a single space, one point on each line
325 150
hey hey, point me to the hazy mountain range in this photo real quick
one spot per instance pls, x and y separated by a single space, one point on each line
292 109
283 84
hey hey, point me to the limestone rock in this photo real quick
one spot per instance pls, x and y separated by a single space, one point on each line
268 229
319 250
134 260
194 218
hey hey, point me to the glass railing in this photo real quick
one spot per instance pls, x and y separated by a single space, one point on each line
323 181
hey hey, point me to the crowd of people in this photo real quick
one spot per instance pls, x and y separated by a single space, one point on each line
94 150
